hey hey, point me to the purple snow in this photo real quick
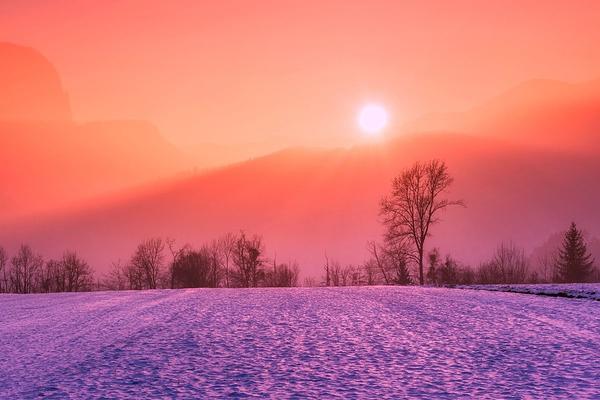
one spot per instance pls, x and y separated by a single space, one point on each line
370 342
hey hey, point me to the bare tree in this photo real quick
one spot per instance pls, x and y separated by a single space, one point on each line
414 205
58 275
377 254
282 275
77 272
50 277
3 271
216 263
391 262
176 252
226 245
25 266
346 275
398 265
546 262
116 278
148 261
134 276
327 272
335 273
248 257
508 265
309 281
370 272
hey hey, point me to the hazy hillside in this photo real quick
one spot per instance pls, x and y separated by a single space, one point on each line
520 177
48 165
309 202
30 86
48 160
539 112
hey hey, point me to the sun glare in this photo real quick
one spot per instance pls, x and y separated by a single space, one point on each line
372 119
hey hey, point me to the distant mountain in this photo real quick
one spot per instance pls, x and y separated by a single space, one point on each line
308 203
30 87
527 163
46 165
47 160
211 155
543 113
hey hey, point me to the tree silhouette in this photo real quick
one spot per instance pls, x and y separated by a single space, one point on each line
147 263
413 207
25 266
248 257
575 263
3 273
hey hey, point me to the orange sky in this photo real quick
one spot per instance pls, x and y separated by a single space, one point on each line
295 72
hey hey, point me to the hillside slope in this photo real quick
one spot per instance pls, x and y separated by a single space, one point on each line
308 203
48 160
544 113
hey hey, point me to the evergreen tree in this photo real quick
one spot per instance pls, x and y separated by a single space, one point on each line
574 263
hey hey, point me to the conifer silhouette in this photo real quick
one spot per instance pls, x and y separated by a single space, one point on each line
574 262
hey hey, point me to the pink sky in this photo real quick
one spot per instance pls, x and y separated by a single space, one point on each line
282 72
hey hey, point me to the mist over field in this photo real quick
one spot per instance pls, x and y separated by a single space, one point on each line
102 187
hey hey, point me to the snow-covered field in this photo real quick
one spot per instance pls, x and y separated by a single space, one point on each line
376 342
571 290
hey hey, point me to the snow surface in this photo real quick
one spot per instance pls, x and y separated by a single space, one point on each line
572 290
371 342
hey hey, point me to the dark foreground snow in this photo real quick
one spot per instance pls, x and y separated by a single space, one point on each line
572 290
380 342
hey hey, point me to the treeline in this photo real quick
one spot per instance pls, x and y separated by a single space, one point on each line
414 205
569 263
238 261
411 209
27 272
231 261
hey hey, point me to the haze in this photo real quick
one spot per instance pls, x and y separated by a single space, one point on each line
138 119
258 76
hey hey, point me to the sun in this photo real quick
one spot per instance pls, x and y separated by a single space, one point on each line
372 119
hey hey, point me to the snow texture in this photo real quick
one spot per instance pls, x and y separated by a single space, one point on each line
589 291
371 342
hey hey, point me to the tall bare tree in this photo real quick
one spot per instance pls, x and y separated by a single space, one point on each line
335 273
116 278
226 246
176 253
77 272
3 272
378 257
282 275
48 277
327 272
216 263
25 266
414 205
148 261
370 272
508 265
248 257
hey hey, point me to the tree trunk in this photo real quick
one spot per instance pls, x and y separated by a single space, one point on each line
421 280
